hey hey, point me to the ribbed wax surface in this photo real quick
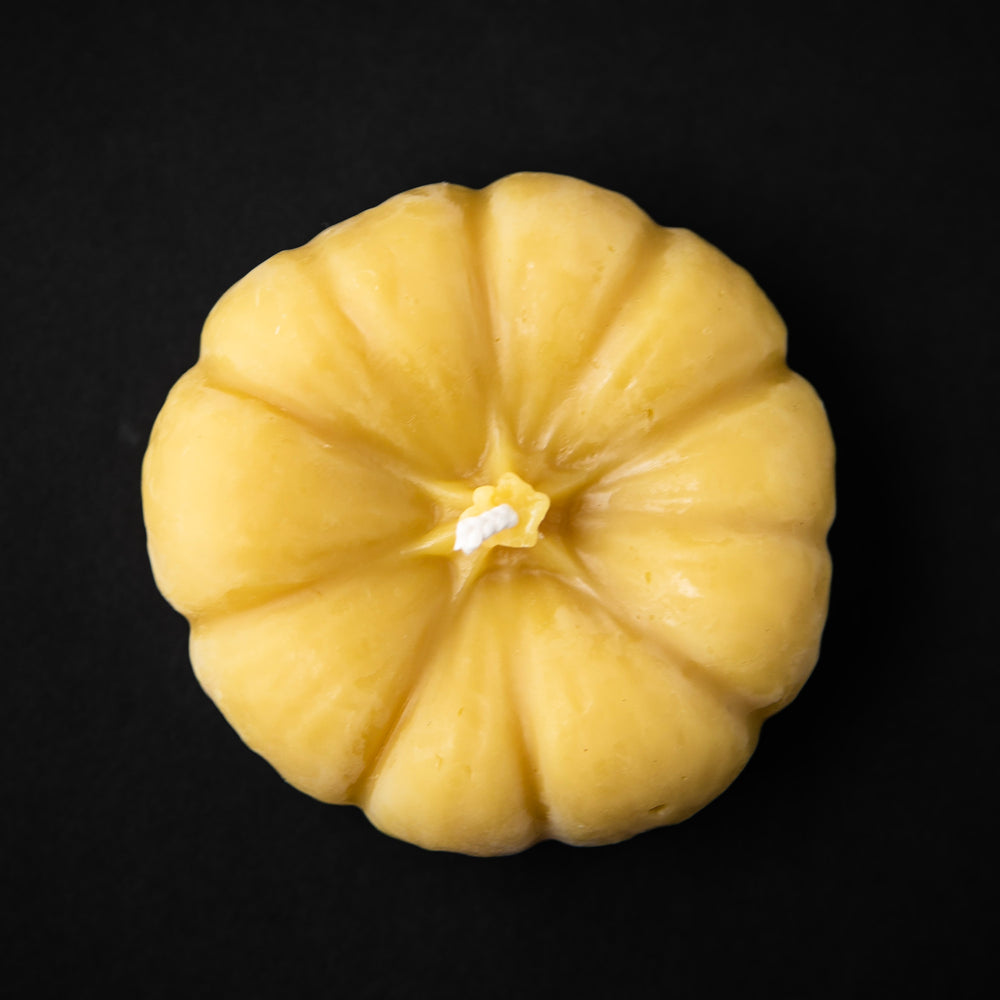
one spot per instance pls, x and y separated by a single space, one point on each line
601 674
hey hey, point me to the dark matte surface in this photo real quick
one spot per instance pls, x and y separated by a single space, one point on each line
845 157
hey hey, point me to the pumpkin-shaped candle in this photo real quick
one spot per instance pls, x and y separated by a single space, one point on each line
497 514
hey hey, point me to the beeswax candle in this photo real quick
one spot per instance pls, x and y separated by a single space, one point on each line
497 514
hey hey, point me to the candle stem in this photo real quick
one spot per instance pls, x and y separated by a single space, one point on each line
508 514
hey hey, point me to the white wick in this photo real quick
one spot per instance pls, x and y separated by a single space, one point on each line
471 532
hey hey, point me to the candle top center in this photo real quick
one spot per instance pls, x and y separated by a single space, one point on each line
508 513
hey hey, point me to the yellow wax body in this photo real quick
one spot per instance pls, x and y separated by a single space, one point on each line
599 669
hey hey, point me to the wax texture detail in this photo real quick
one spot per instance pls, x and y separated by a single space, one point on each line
599 663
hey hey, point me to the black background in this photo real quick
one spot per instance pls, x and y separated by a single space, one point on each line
154 154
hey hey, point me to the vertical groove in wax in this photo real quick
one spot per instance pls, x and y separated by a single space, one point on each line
529 249
484 328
